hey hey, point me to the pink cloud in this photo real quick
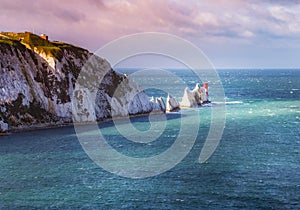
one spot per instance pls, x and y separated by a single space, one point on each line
92 23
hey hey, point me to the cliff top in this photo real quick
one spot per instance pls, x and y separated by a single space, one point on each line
39 43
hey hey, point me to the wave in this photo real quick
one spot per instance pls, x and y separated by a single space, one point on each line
234 102
228 102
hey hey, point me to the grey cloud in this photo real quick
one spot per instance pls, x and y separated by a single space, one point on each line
98 3
278 2
67 15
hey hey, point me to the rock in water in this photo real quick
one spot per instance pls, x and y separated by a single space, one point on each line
199 93
193 98
158 105
161 103
3 127
188 99
172 104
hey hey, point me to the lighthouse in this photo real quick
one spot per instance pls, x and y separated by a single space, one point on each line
205 86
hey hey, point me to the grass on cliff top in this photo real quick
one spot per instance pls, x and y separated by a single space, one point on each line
35 42
8 41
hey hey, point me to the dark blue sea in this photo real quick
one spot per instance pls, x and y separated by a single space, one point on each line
255 166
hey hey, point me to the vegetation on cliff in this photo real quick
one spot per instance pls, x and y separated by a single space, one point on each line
39 43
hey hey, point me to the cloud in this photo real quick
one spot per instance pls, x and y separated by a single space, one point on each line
93 23
247 34
278 2
235 18
206 18
288 19
70 16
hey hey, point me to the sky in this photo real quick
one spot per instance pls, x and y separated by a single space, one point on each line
231 33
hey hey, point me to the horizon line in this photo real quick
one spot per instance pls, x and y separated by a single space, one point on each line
227 68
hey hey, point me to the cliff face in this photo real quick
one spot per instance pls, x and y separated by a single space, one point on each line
38 78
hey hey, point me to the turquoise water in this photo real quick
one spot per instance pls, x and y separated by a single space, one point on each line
257 164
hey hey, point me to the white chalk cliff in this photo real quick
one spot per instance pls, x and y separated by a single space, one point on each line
37 85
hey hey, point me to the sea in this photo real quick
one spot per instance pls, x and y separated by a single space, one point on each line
256 164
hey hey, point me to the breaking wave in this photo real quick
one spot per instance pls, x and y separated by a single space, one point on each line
228 102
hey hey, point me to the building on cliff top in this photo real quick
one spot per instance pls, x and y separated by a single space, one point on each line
44 36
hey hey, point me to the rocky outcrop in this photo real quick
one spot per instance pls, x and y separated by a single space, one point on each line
193 98
3 127
158 104
37 84
172 104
